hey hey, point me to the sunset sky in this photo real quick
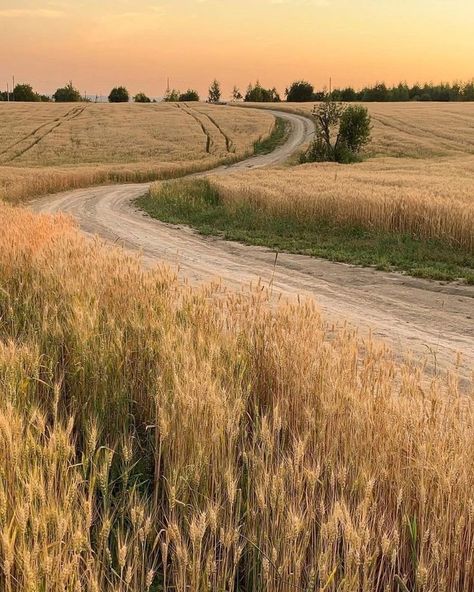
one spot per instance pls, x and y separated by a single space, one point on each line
100 43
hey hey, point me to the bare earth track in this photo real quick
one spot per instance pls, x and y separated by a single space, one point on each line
429 319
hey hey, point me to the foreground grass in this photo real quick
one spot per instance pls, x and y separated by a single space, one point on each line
159 437
199 204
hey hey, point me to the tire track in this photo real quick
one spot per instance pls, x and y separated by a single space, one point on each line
51 127
8 148
413 131
209 140
229 144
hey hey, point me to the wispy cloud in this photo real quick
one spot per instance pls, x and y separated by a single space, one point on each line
30 13
321 3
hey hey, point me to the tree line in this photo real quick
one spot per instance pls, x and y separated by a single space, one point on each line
299 92
303 91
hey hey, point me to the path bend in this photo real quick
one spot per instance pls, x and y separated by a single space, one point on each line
430 319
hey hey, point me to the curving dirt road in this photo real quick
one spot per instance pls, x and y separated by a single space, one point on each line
433 321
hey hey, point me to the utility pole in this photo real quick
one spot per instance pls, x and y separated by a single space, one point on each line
8 93
13 88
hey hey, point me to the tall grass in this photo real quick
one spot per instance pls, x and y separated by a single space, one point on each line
430 202
157 436
21 184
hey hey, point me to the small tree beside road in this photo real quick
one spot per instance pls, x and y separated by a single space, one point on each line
341 133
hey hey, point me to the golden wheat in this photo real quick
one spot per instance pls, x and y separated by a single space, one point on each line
418 179
431 201
409 130
51 147
153 435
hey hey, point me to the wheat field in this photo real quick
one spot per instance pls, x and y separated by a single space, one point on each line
417 177
47 147
409 130
155 436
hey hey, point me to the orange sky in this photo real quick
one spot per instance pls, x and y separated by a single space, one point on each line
139 43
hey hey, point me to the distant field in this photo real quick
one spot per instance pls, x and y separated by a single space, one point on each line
411 130
408 206
48 147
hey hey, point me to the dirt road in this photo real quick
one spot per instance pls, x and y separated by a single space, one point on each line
432 320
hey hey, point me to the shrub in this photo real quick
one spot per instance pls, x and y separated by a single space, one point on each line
67 94
119 94
258 94
189 95
141 98
300 92
172 96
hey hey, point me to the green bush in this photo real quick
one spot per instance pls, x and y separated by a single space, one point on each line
300 92
258 94
67 94
189 95
119 94
25 92
172 96
141 98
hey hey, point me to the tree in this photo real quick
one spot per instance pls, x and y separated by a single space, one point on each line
236 94
67 94
172 96
258 94
468 91
25 92
119 94
379 92
141 98
341 132
300 92
400 93
214 92
355 128
189 95
348 94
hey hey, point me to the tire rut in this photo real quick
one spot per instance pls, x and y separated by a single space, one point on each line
229 144
209 140
51 127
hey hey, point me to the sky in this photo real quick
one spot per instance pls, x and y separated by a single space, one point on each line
140 43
